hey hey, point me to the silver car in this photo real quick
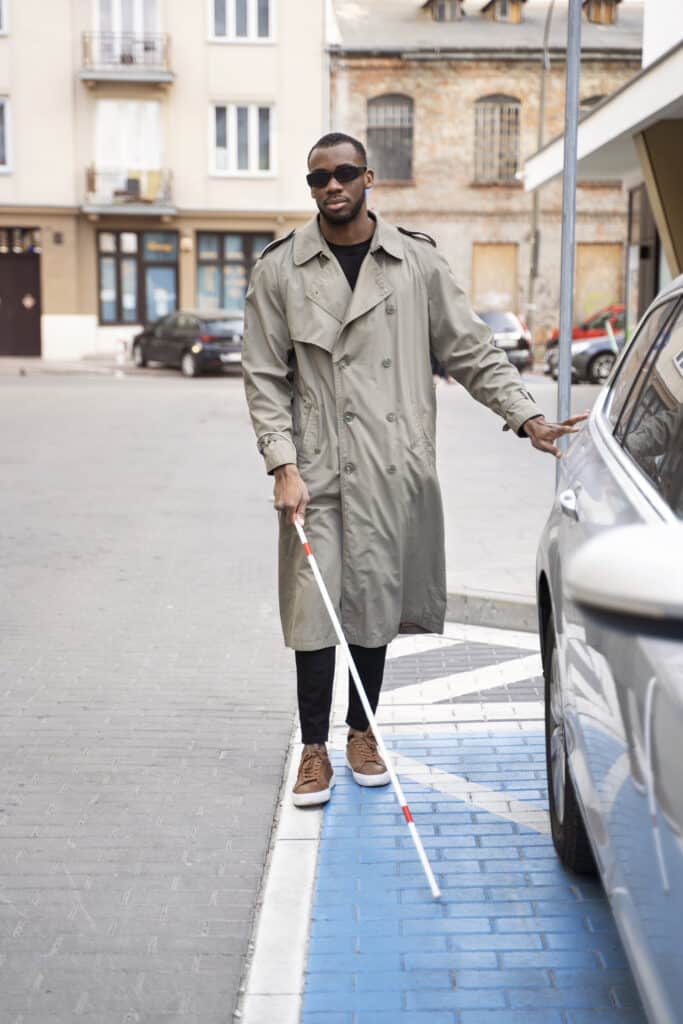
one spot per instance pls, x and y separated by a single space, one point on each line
610 600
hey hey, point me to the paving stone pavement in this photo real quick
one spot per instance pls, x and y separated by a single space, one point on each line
146 699
515 939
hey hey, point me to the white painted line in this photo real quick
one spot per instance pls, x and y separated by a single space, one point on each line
477 797
460 684
492 635
418 644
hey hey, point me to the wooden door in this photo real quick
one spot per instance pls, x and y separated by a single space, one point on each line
494 276
599 278
19 304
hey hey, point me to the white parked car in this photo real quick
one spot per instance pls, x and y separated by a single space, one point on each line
610 599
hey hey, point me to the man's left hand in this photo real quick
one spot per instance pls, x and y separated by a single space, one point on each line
544 434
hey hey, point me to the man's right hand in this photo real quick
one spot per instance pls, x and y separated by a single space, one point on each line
290 494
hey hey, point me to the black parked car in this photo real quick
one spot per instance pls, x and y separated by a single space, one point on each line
193 340
511 334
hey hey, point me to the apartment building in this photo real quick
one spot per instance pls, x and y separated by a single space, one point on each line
448 95
149 149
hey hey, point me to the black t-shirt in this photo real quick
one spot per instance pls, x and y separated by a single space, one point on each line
350 258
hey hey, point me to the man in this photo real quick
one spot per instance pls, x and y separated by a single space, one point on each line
342 319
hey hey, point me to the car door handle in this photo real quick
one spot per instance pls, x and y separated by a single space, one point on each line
568 504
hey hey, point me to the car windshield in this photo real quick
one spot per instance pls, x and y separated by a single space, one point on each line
598 321
500 321
222 328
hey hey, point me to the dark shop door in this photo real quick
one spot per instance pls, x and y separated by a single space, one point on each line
19 304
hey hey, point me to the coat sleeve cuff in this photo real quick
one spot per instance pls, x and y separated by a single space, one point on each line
276 449
519 412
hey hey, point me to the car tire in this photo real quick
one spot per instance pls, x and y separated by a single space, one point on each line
139 357
600 367
570 838
188 365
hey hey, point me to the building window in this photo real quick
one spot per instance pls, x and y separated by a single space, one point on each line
496 156
390 137
503 10
601 12
3 17
138 275
242 19
4 134
224 263
446 10
242 139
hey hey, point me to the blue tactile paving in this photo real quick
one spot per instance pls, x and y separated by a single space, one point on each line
515 939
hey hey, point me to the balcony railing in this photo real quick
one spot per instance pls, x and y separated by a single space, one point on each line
127 55
129 190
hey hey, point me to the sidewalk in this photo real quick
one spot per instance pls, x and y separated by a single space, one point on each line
514 939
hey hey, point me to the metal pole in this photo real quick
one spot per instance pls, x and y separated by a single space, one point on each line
571 122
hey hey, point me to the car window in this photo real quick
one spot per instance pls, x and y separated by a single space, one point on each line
598 321
624 388
653 436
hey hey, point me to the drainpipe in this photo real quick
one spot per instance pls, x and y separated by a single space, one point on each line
536 198
571 122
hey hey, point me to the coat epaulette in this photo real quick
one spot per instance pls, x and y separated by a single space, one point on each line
274 244
418 234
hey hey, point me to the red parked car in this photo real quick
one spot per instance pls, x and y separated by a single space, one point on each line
596 324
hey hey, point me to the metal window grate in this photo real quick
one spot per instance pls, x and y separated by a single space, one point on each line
496 157
390 137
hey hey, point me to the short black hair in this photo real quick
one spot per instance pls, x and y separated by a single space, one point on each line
336 139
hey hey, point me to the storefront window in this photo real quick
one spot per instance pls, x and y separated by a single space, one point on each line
223 268
138 273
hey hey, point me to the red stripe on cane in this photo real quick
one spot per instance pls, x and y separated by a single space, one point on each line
406 814
307 549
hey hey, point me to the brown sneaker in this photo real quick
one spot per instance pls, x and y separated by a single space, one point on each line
315 779
363 758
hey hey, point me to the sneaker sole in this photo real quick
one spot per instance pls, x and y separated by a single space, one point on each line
369 780
311 799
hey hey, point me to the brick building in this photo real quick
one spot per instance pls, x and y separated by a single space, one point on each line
447 97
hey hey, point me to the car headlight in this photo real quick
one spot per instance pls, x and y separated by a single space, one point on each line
197 347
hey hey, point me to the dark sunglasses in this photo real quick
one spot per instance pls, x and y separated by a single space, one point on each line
342 173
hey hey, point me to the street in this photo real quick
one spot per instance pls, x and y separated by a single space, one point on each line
147 700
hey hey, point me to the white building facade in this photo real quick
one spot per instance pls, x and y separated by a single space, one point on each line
149 149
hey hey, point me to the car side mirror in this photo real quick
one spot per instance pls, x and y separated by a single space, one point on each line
631 572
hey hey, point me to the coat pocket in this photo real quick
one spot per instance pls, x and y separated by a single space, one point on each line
420 438
306 427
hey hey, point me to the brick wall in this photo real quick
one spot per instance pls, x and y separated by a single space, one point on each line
443 198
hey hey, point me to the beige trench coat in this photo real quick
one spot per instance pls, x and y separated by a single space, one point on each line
340 383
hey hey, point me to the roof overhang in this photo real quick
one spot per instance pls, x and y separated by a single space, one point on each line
605 148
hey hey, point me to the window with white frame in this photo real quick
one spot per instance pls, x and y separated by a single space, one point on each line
242 138
242 19
3 17
4 134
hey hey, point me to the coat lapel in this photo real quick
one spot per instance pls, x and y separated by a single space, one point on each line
371 288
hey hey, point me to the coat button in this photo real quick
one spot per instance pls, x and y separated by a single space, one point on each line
391 308
349 467
391 469
317 451
386 363
343 362
391 416
348 416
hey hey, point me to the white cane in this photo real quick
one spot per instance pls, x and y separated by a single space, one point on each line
368 711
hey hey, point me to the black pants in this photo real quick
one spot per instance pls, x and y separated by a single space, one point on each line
314 678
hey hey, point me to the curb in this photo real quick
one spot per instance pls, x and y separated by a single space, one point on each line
487 608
